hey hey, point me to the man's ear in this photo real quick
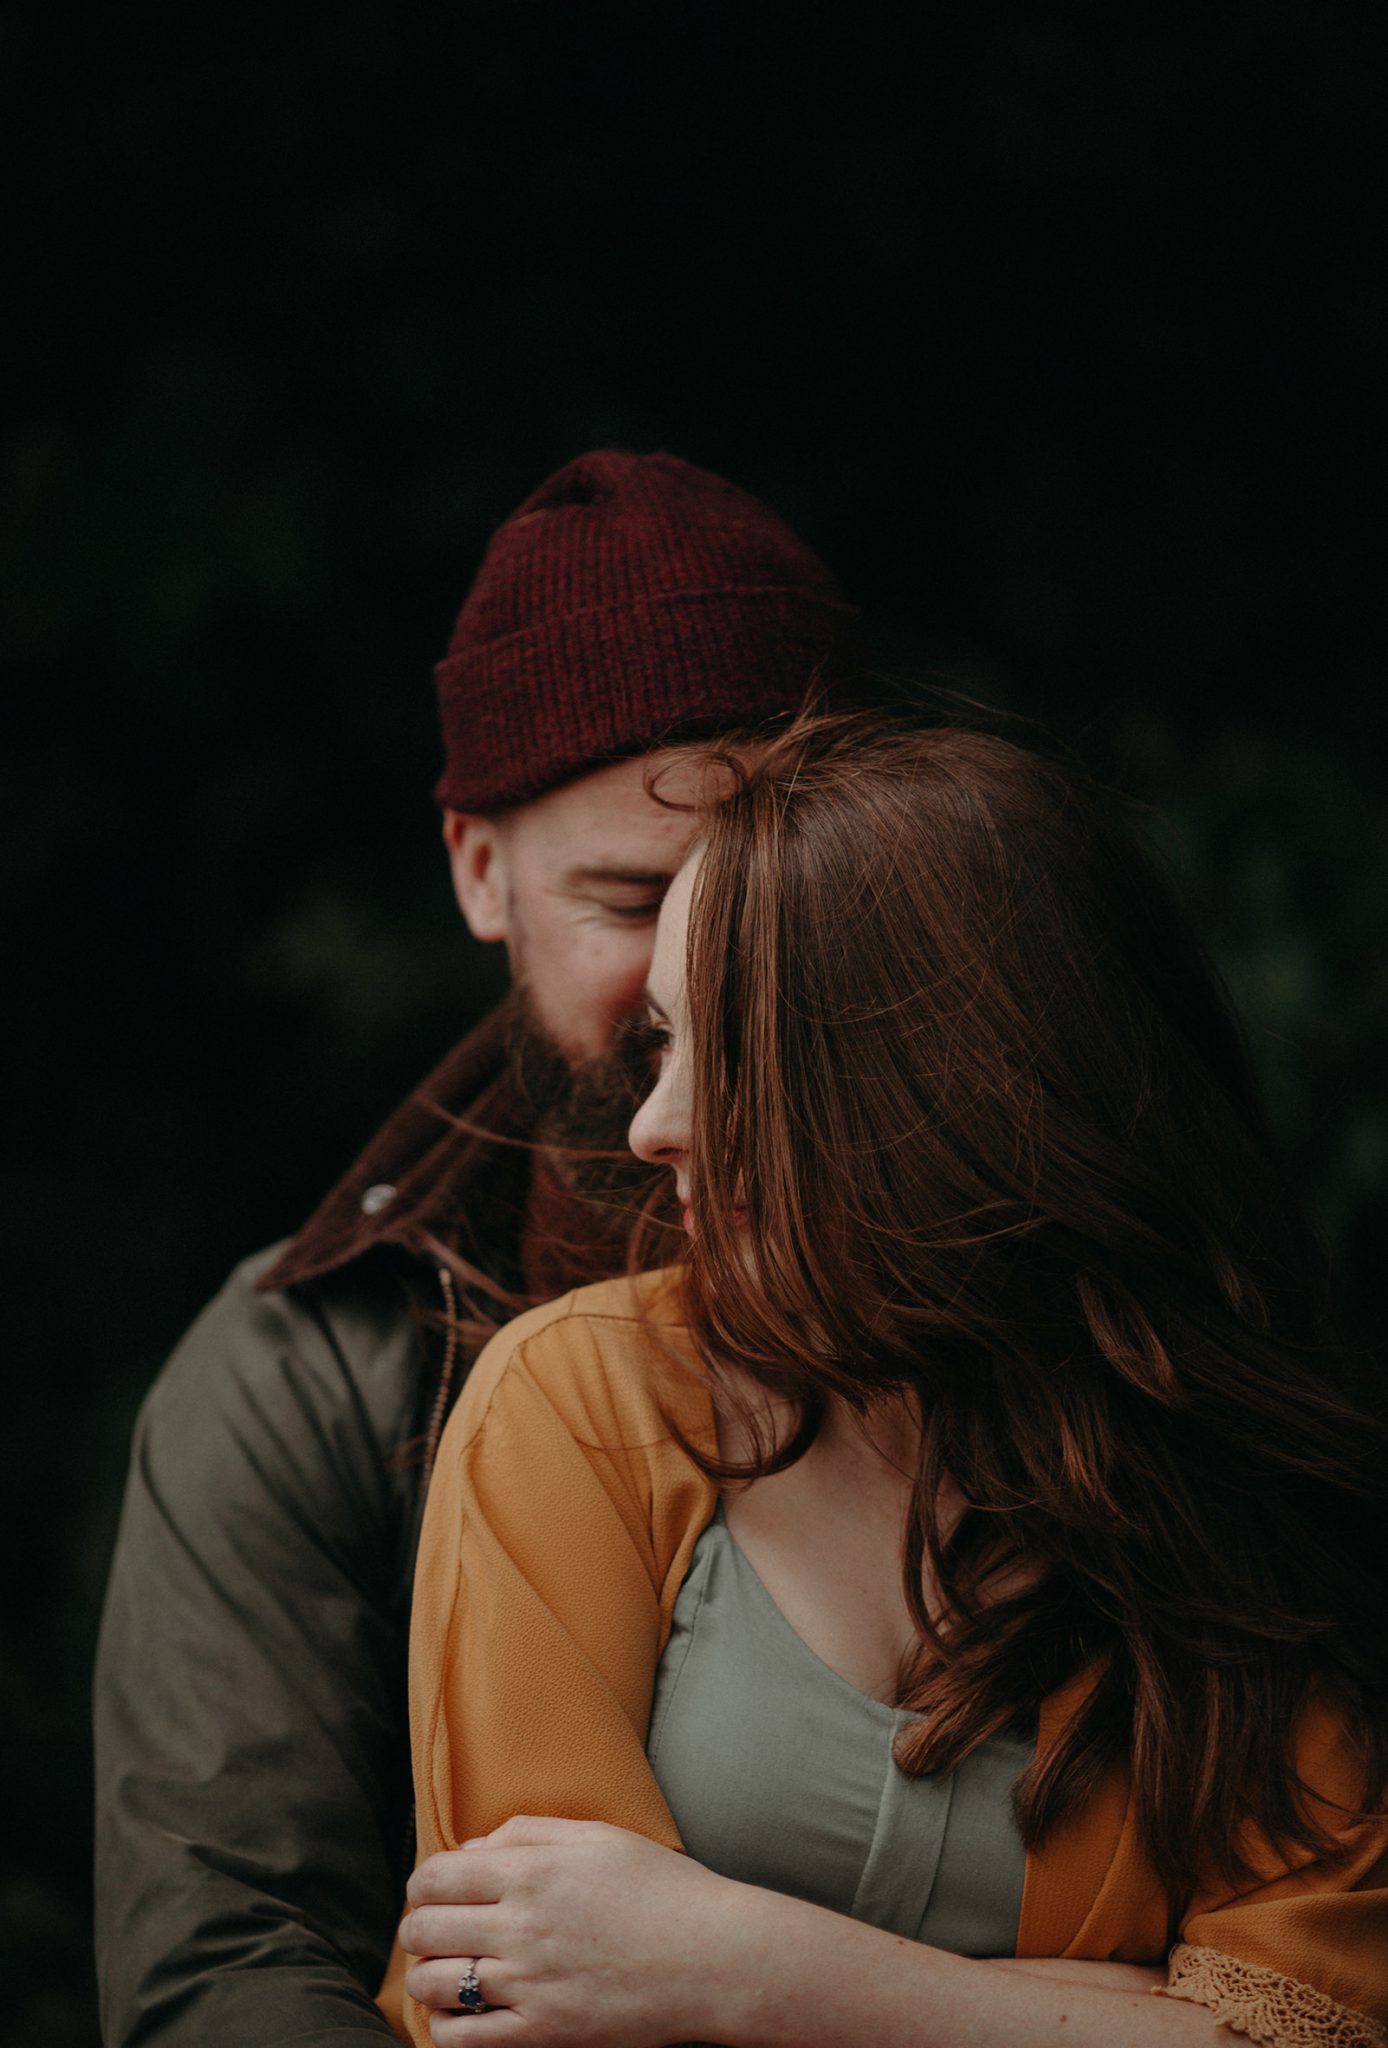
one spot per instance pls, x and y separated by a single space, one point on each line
477 858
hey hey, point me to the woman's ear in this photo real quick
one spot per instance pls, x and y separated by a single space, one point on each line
481 882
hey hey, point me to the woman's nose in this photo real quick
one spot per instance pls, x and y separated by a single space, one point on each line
654 1135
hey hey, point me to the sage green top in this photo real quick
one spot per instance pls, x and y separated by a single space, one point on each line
780 1773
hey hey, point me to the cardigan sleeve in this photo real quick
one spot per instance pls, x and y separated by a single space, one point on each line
559 1525
1301 1955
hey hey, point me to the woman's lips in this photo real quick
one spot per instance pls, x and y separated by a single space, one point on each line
692 1228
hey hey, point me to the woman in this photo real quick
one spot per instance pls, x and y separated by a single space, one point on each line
973 1554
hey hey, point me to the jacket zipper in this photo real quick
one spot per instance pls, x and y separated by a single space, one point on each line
446 1372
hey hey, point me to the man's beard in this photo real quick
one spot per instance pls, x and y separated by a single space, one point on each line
582 1110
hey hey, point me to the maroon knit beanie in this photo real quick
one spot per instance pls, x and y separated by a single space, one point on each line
632 599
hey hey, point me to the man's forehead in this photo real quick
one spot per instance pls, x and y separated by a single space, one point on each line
621 845
676 774
609 822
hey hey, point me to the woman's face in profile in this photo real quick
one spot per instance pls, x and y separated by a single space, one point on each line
660 1130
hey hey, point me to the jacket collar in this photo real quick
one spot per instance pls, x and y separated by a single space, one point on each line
466 1118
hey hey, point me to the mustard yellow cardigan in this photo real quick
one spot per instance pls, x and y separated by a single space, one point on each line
560 1525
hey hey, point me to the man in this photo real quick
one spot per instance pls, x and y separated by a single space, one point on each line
254 1818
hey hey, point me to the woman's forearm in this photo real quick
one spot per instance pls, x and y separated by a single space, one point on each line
1061 1970
791 1975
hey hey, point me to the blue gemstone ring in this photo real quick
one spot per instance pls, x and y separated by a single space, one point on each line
470 1997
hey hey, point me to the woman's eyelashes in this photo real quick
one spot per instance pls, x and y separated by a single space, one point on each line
649 1039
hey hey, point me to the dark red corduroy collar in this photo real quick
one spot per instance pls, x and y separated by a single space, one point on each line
415 1174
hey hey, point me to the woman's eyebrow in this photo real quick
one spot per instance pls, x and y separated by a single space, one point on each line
651 1004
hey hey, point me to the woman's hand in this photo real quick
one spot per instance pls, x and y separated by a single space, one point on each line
584 1936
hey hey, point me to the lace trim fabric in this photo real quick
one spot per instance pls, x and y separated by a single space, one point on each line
1273 2010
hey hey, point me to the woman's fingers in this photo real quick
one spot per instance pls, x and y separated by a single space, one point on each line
447 1887
499 2029
586 1936
436 1983
534 1830
456 1877
448 1931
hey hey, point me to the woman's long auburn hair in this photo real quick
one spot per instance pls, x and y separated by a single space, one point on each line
992 1128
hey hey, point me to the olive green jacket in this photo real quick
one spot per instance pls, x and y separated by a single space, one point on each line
252 1759
252 1749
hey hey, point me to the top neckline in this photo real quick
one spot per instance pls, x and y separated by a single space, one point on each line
898 1717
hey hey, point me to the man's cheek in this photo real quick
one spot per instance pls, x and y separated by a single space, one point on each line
618 973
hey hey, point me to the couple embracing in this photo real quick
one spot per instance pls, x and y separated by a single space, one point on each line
896 1557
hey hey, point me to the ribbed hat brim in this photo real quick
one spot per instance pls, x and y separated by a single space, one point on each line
553 701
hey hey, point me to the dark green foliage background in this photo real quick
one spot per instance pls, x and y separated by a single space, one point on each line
1056 327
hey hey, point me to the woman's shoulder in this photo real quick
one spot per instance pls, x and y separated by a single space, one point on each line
613 1361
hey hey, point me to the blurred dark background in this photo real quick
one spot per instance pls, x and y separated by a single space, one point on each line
1055 327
